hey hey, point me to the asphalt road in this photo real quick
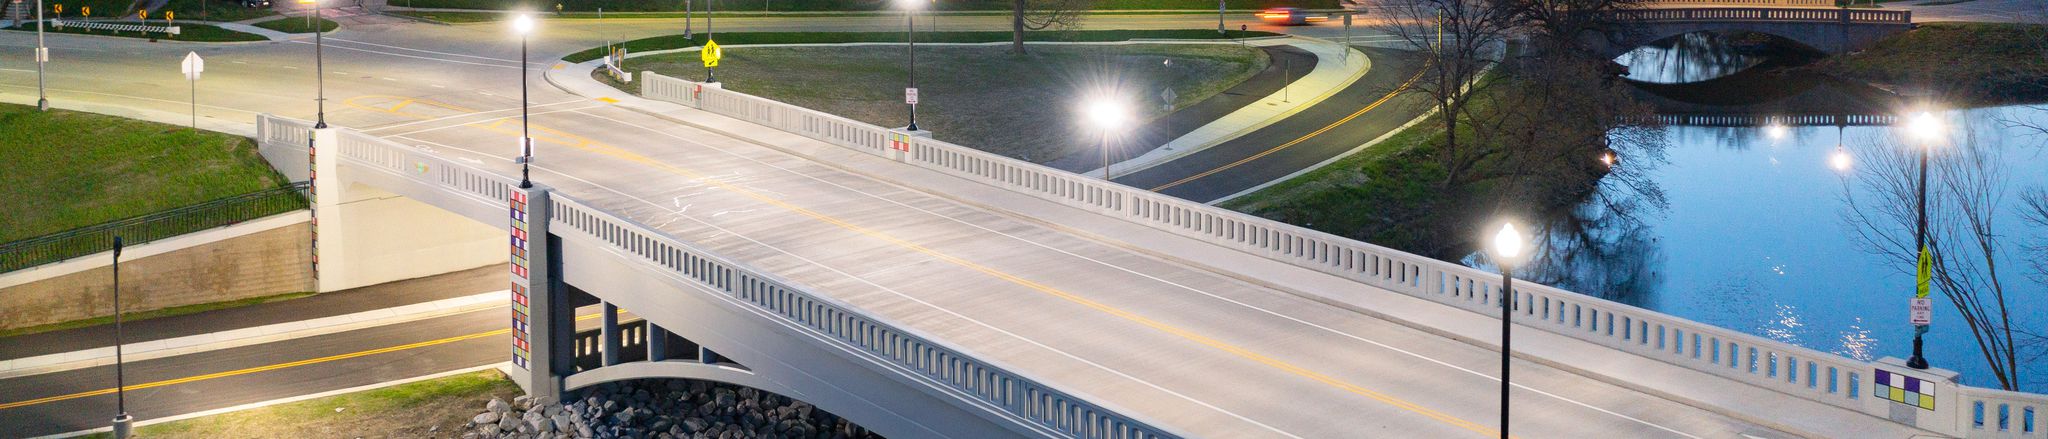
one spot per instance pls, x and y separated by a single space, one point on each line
1250 360
1364 111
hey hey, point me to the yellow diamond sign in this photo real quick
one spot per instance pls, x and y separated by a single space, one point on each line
711 53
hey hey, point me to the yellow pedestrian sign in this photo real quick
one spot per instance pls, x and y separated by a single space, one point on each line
1921 310
1926 275
711 53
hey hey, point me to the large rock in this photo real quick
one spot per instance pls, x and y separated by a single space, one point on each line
485 418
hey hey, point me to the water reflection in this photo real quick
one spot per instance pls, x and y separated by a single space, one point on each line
1692 57
1754 239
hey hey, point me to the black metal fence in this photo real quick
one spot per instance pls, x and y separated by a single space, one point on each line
97 238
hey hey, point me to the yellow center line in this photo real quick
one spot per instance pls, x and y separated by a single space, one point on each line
1270 151
267 368
589 145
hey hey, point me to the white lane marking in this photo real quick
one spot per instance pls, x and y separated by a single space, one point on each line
239 62
1163 281
438 85
401 55
893 291
290 67
512 61
515 141
338 72
387 78
17 70
442 118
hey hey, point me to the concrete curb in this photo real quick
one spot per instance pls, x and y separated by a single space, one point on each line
172 347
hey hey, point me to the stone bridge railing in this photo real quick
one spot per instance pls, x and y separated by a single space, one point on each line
1851 16
1794 371
1794 3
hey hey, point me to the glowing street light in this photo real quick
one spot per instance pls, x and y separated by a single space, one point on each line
1507 249
1607 158
1777 131
1108 116
523 25
1928 129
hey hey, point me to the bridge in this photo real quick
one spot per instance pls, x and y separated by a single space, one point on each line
924 289
1831 30
1740 120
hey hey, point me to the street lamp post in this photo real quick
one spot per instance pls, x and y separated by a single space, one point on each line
910 34
122 422
1507 248
1928 129
1107 116
524 26
319 68
42 56
710 73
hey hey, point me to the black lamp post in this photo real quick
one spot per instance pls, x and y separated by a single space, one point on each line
1928 129
524 26
910 34
1507 247
122 422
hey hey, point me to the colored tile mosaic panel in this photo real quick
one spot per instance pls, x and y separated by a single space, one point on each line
1904 389
522 316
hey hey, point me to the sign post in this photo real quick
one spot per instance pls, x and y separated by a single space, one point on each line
1347 37
192 66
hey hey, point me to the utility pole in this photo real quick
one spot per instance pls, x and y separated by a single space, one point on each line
42 56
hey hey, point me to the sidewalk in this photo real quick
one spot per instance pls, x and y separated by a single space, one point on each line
428 296
1334 71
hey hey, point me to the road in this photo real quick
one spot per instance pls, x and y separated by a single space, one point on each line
1250 361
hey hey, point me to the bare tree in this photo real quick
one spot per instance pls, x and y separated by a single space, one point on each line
1965 191
1463 39
1033 15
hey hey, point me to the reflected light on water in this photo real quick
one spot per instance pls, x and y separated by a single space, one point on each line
1777 131
1840 159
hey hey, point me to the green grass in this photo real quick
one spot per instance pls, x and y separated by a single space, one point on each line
835 5
1987 63
211 10
738 38
297 25
65 169
187 32
405 410
978 96
146 315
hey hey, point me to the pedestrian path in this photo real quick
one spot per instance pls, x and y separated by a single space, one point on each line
1337 67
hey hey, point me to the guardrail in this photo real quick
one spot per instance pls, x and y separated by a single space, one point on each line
983 382
1852 16
118 27
1766 363
136 230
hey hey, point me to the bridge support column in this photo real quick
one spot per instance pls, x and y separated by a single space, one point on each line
657 343
610 333
323 161
541 314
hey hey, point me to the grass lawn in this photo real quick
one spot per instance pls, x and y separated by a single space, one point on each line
64 169
978 96
210 10
151 314
187 32
297 25
1984 63
405 410
837 5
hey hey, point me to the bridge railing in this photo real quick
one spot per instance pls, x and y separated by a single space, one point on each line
375 153
985 382
1758 120
1856 16
1795 3
1792 370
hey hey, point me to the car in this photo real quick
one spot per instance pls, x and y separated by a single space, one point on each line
256 3
1290 16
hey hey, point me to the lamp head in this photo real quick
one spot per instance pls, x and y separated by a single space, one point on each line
1925 126
1507 243
910 4
1107 114
522 24
1840 159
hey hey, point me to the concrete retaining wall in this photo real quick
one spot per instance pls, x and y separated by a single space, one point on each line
267 262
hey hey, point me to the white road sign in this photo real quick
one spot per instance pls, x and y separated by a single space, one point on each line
910 96
192 66
1923 311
